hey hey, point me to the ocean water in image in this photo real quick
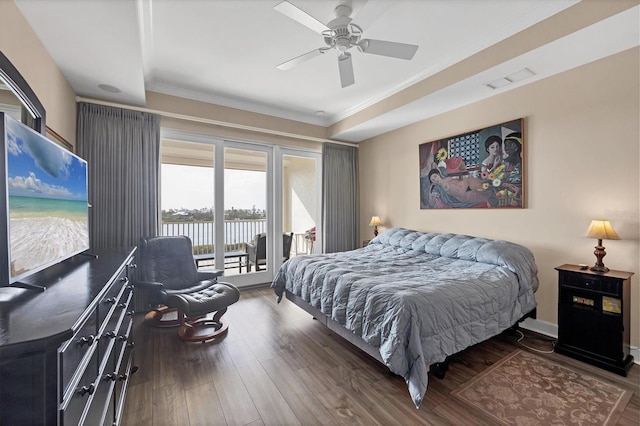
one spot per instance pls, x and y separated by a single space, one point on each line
23 207
45 230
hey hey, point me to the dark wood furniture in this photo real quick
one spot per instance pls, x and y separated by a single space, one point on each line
594 317
66 353
19 86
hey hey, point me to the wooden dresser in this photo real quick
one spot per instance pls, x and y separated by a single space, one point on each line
66 353
594 317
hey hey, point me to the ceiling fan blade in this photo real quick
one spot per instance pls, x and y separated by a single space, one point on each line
299 59
300 16
346 69
388 48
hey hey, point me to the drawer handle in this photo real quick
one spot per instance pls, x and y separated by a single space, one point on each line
131 345
109 334
124 279
122 305
122 337
133 266
133 371
111 377
87 390
110 301
87 340
130 313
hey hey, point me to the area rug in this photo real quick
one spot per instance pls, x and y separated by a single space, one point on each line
525 389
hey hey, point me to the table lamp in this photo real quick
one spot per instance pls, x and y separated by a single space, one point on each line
375 221
601 230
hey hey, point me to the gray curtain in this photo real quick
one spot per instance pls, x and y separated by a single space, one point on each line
27 119
340 197
122 151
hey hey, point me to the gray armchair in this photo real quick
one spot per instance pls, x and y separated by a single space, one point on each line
257 251
167 272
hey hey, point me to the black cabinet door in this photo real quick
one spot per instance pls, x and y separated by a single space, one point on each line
591 331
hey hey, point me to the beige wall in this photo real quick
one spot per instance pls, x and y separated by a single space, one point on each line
25 51
582 153
8 98
300 196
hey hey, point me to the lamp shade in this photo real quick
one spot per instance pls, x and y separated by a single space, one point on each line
375 221
601 230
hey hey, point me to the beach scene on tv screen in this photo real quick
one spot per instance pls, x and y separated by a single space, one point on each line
47 203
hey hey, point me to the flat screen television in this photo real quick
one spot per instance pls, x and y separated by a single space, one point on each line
44 213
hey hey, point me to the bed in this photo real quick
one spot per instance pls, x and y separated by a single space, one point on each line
411 299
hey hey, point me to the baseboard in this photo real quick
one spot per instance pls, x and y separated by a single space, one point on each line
539 326
551 330
254 286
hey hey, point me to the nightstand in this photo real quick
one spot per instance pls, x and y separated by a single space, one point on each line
594 317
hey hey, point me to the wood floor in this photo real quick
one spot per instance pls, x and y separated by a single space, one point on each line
277 366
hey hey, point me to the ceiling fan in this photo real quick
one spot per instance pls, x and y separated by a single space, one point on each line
341 34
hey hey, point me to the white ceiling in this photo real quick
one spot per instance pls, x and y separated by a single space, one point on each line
225 52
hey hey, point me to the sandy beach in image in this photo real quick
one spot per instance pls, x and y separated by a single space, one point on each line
39 240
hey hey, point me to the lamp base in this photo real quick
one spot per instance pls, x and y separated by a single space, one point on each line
600 253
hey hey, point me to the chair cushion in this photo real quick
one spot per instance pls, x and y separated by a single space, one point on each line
203 298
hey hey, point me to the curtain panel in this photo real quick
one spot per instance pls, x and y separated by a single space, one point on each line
340 198
122 150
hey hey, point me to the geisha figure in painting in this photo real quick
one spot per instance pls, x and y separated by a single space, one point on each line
493 146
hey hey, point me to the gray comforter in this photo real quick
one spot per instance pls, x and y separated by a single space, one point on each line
417 296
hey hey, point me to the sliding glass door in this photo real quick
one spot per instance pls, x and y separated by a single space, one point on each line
247 218
231 198
187 193
300 174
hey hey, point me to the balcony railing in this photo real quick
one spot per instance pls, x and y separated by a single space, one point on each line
236 233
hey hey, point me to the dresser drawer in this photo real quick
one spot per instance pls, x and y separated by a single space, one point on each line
124 337
74 407
110 328
75 349
125 369
592 284
112 296
104 389
109 418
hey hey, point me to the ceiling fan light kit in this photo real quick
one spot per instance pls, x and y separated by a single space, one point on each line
341 34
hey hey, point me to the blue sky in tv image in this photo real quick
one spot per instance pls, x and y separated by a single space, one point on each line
39 168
